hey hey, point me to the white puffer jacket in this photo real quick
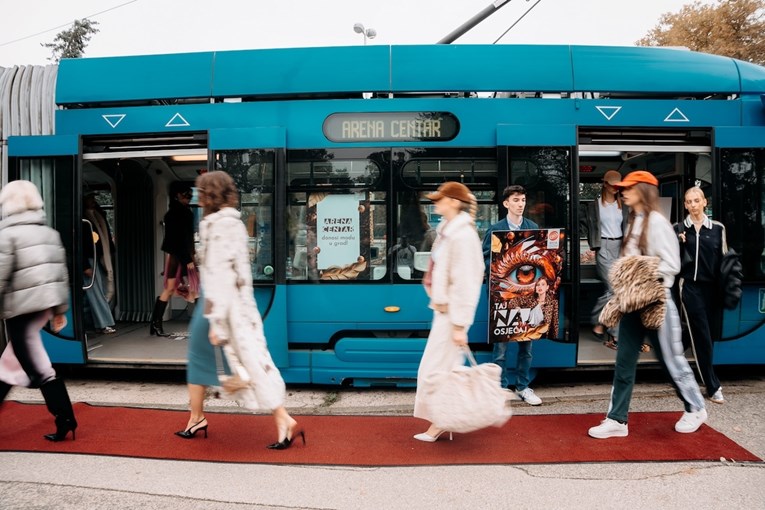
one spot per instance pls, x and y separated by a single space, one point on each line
33 274
458 269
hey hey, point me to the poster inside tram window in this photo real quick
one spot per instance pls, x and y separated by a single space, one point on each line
524 277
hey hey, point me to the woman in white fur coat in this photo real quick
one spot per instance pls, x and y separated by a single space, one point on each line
453 283
234 319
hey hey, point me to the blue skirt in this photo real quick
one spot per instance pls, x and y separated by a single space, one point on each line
201 368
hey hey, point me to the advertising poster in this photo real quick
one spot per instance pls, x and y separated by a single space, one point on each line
337 225
524 276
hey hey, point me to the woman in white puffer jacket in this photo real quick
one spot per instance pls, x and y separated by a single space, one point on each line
34 289
453 283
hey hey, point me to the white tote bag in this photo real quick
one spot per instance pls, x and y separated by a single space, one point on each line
468 398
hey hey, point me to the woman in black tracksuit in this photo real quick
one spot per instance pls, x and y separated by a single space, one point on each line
702 246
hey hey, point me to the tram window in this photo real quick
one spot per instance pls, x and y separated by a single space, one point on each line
742 175
349 172
420 172
253 173
545 172
416 229
338 236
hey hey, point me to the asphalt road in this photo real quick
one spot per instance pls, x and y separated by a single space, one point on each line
52 481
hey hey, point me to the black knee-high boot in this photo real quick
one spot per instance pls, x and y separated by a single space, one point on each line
57 399
156 318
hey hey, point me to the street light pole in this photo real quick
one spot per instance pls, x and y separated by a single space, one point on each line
368 33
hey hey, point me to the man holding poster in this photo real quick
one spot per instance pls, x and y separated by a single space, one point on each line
523 263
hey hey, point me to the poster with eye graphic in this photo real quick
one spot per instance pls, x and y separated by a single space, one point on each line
524 276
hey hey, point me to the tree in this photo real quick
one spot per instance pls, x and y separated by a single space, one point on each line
732 28
71 43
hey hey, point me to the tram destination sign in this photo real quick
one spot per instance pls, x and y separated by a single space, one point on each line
391 127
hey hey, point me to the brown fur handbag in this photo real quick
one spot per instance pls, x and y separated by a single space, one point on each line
637 286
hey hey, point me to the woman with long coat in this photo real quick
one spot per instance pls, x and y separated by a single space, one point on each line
231 317
34 289
453 284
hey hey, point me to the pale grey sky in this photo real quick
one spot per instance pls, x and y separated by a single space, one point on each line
174 26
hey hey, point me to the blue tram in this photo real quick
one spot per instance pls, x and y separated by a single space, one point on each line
334 150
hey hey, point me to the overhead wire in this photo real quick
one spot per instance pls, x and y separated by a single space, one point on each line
67 24
516 21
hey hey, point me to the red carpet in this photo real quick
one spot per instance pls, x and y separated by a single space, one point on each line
361 440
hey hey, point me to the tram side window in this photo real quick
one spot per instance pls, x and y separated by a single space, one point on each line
742 175
336 224
416 218
545 172
253 173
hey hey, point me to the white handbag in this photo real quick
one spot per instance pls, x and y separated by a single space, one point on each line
468 398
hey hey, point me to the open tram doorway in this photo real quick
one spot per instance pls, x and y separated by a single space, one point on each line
678 158
132 183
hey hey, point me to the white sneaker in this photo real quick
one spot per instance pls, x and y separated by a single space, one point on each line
609 428
690 422
718 398
529 397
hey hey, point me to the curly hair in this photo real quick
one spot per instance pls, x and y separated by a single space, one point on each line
218 190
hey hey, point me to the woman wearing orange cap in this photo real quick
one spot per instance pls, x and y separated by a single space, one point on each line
453 283
605 223
650 233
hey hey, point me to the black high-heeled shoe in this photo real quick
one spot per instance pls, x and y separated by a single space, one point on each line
287 441
63 426
192 431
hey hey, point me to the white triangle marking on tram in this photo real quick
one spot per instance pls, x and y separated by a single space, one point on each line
177 121
609 111
114 119
676 116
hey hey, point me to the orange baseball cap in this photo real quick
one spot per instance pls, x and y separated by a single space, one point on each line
451 189
636 177
612 177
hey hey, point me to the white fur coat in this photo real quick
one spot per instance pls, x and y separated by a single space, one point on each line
230 307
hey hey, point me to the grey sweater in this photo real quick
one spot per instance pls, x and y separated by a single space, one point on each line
33 274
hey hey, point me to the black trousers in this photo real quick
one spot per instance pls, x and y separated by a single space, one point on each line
698 307
24 336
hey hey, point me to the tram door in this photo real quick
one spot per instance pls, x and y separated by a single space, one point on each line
539 158
50 162
255 158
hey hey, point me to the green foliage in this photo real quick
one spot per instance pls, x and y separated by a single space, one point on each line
732 28
71 43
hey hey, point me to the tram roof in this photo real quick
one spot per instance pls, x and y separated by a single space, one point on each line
328 71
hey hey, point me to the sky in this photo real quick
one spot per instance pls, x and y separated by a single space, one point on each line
138 27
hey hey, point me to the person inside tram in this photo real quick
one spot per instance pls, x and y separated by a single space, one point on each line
98 248
605 223
178 245
514 200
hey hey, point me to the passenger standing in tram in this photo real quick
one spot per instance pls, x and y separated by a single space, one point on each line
34 289
178 245
650 233
514 200
702 246
97 247
453 284
227 314
606 221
